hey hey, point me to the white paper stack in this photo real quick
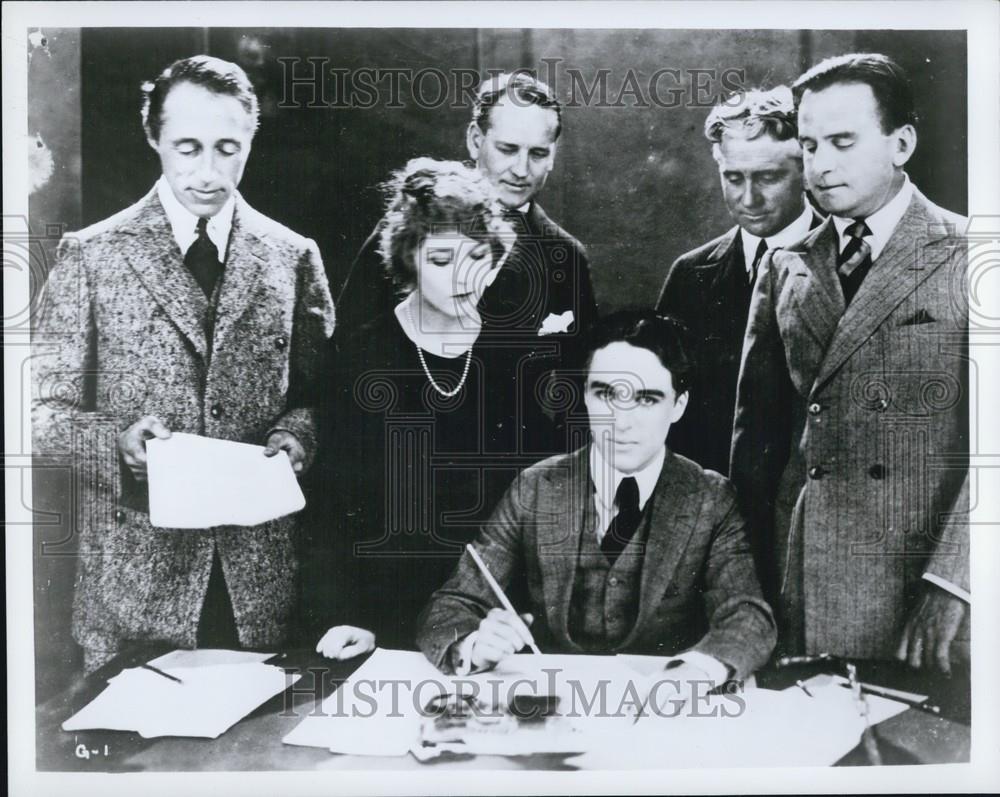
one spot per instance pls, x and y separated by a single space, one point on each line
379 709
754 728
199 482
216 690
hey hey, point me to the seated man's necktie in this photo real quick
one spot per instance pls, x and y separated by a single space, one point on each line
202 259
623 527
856 259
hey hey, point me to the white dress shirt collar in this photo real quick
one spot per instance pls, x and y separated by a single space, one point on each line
795 231
184 223
882 222
606 480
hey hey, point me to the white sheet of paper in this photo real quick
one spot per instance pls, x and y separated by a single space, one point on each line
362 718
209 701
199 482
365 717
207 657
779 729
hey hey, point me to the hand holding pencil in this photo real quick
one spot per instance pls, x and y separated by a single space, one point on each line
503 631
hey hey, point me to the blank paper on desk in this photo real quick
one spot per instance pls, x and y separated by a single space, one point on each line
207 702
199 482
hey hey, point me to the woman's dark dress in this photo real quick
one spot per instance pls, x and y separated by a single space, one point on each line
406 475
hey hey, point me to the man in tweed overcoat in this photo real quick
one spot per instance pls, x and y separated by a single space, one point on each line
851 436
186 312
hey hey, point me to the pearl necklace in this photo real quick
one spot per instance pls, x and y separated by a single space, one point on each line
435 385
423 362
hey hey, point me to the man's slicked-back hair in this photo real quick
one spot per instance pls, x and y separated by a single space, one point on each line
751 114
887 80
213 74
663 335
522 89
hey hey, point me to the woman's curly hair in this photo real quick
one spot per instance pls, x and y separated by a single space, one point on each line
428 196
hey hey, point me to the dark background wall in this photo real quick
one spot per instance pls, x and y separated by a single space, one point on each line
634 180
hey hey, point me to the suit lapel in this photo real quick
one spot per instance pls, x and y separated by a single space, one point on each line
563 508
813 282
243 273
725 257
907 260
817 219
157 262
672 520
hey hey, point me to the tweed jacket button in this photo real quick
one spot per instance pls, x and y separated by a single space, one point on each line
817 472
877 471
119 516
815 408
280 342
613 581
216 411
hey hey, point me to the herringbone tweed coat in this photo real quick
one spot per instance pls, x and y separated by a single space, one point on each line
850 447
123 335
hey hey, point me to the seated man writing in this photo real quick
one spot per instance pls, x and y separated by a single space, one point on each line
621 546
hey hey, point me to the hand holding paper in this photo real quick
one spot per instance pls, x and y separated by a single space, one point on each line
199 482
132 443
289 443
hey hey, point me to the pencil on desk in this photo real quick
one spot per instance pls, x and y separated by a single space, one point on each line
504 601
158 671
892 694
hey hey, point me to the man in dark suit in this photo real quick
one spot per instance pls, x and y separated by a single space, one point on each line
709 288
621 546
542 296
851 437
187 312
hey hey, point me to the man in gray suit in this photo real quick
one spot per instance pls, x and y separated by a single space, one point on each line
186 312
851 436
760 167
621 546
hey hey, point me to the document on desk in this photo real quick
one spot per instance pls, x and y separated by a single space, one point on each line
199 482
374 711
754 728
382 709
198 700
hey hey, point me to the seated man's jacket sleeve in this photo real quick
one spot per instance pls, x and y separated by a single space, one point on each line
741 631
455 610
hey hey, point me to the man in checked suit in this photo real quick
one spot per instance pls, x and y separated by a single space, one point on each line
187 312
851 436
621 546
760 166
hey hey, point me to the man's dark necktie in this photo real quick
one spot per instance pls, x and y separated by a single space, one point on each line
755 266
623 527
856 259
202 259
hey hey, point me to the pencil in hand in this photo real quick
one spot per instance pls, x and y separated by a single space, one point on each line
500 596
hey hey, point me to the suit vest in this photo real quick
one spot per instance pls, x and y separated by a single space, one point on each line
605 599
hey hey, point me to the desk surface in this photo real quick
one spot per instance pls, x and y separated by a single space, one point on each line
254 744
